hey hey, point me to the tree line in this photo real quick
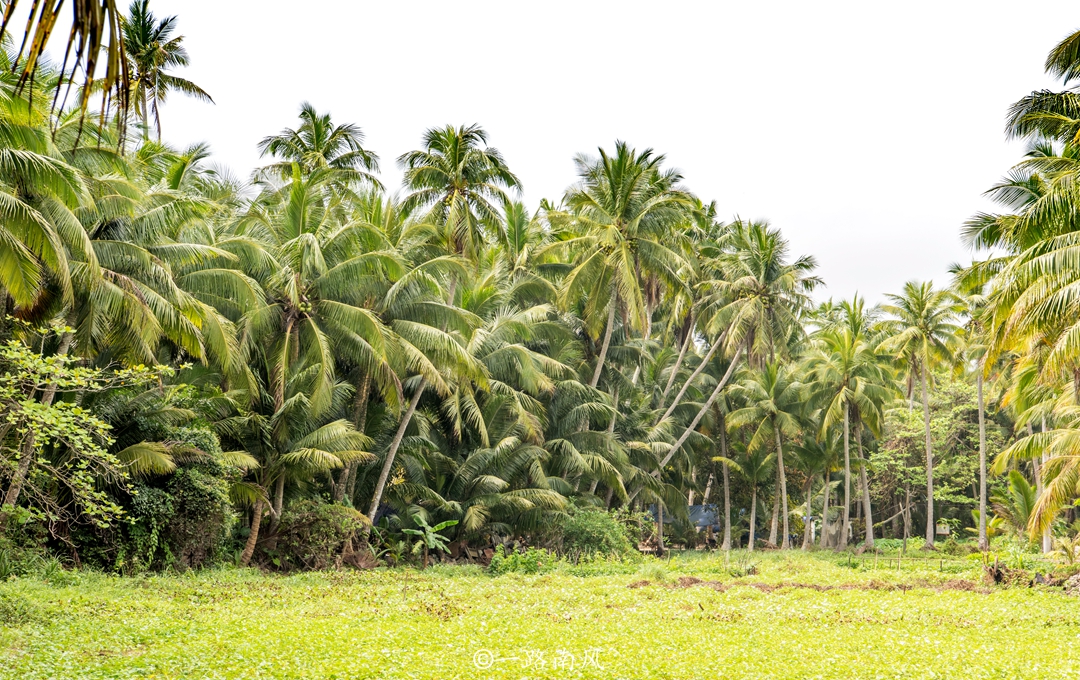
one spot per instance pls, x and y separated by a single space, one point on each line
310 338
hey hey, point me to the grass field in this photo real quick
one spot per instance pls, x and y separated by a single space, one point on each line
798 616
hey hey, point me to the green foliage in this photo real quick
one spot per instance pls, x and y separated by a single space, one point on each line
56 450
313 534
17 610
587 532
528 561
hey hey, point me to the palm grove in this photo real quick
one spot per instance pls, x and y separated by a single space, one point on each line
195 365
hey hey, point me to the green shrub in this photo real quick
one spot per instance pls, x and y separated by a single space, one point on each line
312 534
203 518
530 561
591 532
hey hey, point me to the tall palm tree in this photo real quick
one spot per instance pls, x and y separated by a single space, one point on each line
923 336
772 401
765 296
851 378
624 206
151 50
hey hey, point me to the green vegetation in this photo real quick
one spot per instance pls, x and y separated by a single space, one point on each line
634 620
304 372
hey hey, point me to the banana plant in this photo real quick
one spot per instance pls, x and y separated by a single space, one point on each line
430 538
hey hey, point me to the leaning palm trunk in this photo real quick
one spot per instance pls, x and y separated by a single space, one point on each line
700 414
26 454
253 537
388 464
693 376
678 362
605 345
846 530
984 543
929 465
783 488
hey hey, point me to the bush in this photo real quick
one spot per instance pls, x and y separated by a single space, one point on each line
203 516
530 561
312 534
590 532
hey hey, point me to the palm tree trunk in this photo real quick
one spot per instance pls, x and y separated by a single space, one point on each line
693 481
864 483
907 516
806 514
846 531
693 376
984 543
700 414
775 512
783 487
930 526
825 510
753 516
253 537
278 503
145 113
1047 540
347 484
659 527
678 362
727 486
615 412
605 345
26 453
388 464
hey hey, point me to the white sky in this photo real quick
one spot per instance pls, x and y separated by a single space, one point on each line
866 131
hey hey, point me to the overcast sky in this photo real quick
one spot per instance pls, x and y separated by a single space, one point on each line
866 131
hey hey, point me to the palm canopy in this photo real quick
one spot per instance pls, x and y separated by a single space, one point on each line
760 295
320 145
922 330
459 184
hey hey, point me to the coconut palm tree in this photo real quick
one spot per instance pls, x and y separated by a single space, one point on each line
625 207
290 441
771 404
458 184
755 465
922 335
853 381
96 33
151 50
